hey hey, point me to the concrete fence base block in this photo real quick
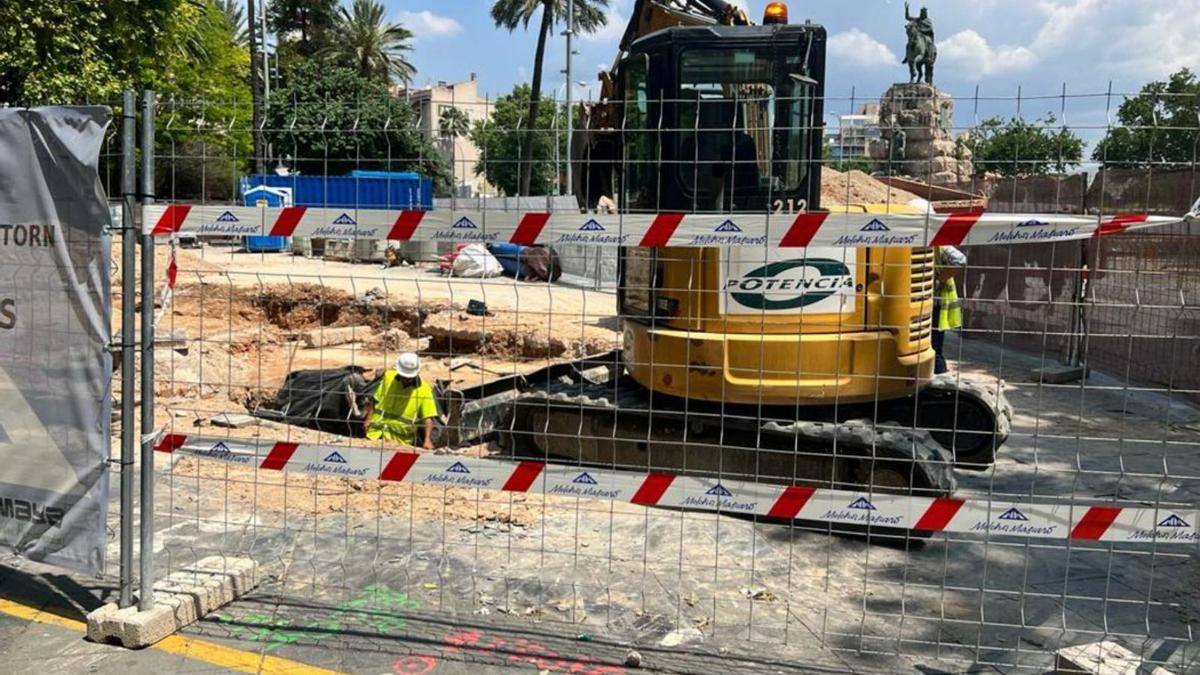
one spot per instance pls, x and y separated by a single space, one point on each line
180 599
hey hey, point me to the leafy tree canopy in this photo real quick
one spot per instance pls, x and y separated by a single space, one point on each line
72 51
500 138
1020 148
1159 126
304 26
331 120
453 123
203 124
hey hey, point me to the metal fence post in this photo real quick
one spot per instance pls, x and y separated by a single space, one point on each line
146 545
128 319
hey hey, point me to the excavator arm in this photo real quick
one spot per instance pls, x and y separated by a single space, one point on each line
651 15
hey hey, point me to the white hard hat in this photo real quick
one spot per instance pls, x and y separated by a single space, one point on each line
408 364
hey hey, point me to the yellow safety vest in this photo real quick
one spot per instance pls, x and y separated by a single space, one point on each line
398 410
949 315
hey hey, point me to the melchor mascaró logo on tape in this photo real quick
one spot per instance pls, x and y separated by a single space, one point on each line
788 285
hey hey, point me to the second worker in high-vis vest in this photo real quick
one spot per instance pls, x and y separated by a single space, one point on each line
947 306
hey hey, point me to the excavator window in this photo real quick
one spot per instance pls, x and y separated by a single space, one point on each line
741 130
641 159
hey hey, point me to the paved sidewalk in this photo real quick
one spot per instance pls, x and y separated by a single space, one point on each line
41 630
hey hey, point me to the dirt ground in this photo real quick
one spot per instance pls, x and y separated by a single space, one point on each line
235 327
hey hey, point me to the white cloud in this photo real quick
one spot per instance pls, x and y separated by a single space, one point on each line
970 53
856 48
1081 42
1142 39
612 30
427 24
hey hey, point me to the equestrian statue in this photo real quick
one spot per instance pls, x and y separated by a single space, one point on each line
921 51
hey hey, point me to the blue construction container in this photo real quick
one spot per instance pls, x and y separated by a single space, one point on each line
361 189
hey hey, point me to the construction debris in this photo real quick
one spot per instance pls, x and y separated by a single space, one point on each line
232 420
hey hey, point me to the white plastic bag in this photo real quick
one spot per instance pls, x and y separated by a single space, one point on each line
476 262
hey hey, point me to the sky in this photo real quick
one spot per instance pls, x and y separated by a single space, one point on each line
997 57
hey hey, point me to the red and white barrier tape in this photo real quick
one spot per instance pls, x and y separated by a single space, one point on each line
970 516
648 230
168 290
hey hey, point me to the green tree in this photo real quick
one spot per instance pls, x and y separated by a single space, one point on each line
589 16
303 26
310 119
203 125
73 51
370 44
1020 148
501 140
1161 125
234 15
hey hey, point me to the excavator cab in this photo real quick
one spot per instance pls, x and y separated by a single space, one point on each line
721 119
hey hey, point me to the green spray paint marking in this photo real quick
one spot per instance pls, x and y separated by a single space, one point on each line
374 607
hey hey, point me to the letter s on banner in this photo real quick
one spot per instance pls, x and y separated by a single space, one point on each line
8 313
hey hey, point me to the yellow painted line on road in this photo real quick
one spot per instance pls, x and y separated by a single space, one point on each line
200 650
30 614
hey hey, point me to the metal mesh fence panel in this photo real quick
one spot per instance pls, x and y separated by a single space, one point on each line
720 426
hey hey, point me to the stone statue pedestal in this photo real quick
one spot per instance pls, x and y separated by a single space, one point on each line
917 136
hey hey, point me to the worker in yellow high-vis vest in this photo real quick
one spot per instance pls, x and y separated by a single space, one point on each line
947 306
403 407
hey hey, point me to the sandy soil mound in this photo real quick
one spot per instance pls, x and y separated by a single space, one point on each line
856 187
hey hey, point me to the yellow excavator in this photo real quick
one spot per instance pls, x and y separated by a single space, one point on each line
796 366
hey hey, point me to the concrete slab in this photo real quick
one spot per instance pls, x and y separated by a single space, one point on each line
181 599
233 420
328 337
1103 658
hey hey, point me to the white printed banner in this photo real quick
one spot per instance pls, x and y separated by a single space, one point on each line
55 327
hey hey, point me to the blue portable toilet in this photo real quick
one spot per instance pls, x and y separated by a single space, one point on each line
263 195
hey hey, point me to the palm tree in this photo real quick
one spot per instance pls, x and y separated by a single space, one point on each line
589 15
234 16
369 44
453 123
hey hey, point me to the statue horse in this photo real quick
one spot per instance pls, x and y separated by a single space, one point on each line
920 55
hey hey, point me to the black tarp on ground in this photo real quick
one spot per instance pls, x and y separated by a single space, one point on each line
318 399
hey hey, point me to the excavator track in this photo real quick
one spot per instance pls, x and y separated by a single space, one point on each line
970 419
615 424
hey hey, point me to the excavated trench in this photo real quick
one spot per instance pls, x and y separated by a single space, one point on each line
450 330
